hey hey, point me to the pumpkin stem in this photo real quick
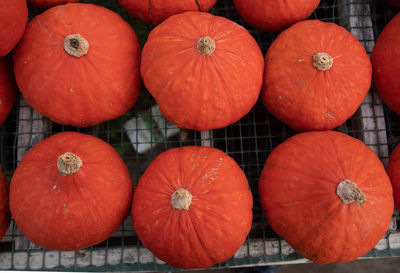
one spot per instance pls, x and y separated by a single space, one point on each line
322 61
75 45
181 199
348 192
206 45
68 163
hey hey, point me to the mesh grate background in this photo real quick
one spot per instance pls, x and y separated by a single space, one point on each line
248 141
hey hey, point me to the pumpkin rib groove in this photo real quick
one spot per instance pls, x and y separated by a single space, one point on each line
303 202
328 220
207 165
45 28
195 28
221 78
47 99
220 36
218 192
168 191
203 247
312 226
89 96
348 215
209 213
167 183
302 173
187 62
330 215
340 163
203 60
161 210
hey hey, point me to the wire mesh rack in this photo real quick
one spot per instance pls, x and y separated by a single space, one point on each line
143 133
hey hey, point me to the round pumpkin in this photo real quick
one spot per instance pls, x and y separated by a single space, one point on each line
192 207
204 71
78 64
273 15
393 170
5 216
45 4
316 76
393 3
70 191
327 194
13 18
155 11
386 64
7 89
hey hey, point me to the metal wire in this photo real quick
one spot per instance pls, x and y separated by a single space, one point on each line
249 142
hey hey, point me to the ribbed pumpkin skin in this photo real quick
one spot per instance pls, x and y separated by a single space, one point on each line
74 211
386 64
101 85
393 170
155 11
218 219
306 98
196 91
298 193
5 216
13 18
393 3
49 3
273 15
7 89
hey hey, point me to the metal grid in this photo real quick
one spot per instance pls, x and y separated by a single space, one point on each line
248 141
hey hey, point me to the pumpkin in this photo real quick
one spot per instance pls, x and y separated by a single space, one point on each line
327 194
274 15
316 76
155 11
7 89
70 191
386 64
78 64
5 216
204 71
393 3
13 18
192 207
394 174
45 4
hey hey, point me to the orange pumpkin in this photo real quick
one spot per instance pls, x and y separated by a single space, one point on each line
274 15
45 4
393 3
5 216
13 18
155 11
316 76
70 191
328 195
89 70
393 170
192 207
7 89
386 64
204 71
